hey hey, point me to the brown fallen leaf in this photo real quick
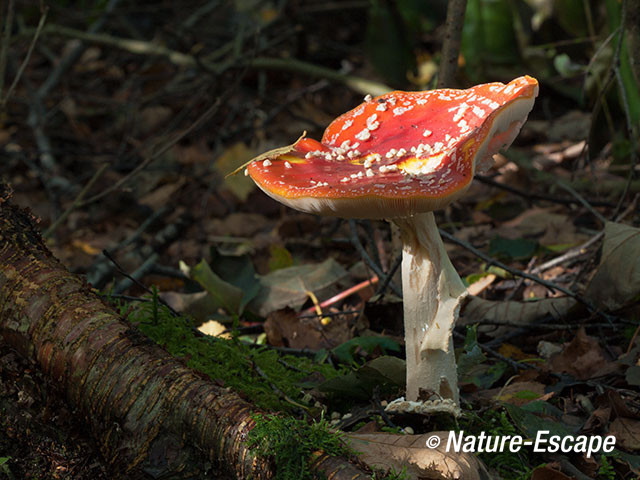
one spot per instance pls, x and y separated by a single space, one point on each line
616 282
152 117
627 433
233 158
238 224
513 312
290 287
163 195
214 328
517 393
550 227
547 472
285 329
582 357
598 419
477 287
388 451
198 305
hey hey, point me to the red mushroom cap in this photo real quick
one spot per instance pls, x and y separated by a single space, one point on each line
398 154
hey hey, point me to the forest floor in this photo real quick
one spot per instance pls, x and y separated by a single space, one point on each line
131 151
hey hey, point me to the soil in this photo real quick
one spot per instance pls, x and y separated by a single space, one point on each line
40 434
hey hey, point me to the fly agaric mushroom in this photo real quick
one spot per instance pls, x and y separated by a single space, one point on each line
401 156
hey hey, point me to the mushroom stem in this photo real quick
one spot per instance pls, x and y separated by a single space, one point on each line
433 293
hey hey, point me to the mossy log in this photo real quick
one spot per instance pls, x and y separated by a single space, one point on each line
146 409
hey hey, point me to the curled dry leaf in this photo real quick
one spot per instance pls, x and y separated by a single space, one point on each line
517 393
616 282
513 312
289 287
546 224
235 157
285 329
548 472
582 357
627 432
394 452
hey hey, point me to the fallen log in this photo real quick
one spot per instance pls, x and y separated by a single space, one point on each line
146 409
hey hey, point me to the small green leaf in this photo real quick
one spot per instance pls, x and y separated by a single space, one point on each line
345 352
517 249
279 257
289 287
530 423
223 293
388 373
239 272
565 66
526 395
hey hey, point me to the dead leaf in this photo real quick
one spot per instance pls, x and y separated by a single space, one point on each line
477 287
511 351
162 196
236 225
288 287
231 159
549 227
582 357
546 472
214 328
85 247
513 312
517 393
622 407
573 125
196 153
627 433
547 349
388 451
285 329
616 282
198 305
598 419
152 117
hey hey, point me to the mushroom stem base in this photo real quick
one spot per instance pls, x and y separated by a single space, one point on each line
433 293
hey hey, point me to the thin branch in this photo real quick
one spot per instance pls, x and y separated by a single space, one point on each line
536 196
6 40
631 134
25 62
519 273
36 118
451 45
355 240
76 203
357 84
72 57
581 199
203 118
360 85
137 282
569 254
513 363
392 271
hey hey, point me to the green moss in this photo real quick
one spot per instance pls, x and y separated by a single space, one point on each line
496 422
269 380
290 443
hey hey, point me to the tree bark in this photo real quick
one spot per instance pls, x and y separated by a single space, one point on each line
146 409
